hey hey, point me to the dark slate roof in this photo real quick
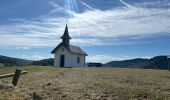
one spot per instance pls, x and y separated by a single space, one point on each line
77 50
72 49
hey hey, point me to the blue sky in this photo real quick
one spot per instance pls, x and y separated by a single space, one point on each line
106 29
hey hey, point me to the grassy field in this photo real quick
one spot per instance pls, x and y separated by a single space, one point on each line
88 83
1 65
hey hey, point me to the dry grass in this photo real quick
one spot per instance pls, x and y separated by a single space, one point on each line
89 83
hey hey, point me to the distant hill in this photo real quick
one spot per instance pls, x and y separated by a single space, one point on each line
44 62
158 62
1 65
9 61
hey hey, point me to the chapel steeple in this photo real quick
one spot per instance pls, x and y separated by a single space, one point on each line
66 38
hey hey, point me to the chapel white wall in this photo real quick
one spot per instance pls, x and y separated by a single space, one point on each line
70 58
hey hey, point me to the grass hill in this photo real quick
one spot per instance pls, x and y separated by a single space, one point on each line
9 61
158 62
44 62
1 65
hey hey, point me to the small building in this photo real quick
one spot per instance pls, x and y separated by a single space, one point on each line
66 55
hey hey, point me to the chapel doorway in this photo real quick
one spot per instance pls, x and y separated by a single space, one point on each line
62 60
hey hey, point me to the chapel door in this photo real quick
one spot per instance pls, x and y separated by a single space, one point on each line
62 60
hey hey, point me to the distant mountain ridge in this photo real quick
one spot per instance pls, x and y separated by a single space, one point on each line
9 61
44 62
157 62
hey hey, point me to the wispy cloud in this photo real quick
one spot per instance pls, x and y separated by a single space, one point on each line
108 58
154 4
24 47
88 6
126 4
35 57
105 58
92 27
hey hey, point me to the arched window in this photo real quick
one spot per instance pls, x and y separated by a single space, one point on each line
78 60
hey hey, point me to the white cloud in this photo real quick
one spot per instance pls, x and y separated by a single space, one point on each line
155 4
126 4
107 58
122 22
93 27
24 47
88 6
35 57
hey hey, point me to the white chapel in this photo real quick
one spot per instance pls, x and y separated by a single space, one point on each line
66 55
